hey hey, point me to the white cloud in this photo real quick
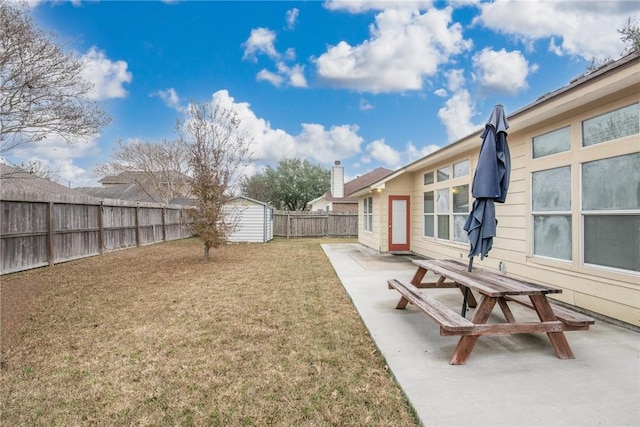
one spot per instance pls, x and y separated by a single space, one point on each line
359 6
169 97
326 145
413 153
384 153
455 79
60 158
502 71
391 157
107 76
581 28
292 17
268 76
313 142
404 47
290 54
441 92
365 105
260 41
294 74
456 115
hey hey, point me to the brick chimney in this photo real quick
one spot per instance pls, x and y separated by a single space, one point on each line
337 180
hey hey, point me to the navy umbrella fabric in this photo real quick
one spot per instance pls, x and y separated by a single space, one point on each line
490 184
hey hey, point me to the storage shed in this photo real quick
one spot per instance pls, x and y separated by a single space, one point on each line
254 220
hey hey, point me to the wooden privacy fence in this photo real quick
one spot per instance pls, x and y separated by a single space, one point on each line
35 232
314 224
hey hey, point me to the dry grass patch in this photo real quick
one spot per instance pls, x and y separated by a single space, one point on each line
264 334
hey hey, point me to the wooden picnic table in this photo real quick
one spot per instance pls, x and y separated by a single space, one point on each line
492 288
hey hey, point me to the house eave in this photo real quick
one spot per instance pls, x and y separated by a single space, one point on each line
578 94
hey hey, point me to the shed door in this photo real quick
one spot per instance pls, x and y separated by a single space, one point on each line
399 223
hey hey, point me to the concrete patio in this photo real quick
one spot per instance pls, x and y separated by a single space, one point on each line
513 380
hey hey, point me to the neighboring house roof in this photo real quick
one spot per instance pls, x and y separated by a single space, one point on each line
132 191
129 177
184 201
362 182
128 186
14 180
355 185
575 84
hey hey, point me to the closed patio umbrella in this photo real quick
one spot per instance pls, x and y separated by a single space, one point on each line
490 184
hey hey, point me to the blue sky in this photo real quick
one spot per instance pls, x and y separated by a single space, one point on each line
370 83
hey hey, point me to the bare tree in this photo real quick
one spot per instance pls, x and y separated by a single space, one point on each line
630 35
31 168
42 92
160 169
218 151
39 169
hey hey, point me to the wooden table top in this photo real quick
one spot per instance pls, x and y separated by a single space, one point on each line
483 280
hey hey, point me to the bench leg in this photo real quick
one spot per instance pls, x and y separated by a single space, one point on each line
558 340
402 303
506 311
468 342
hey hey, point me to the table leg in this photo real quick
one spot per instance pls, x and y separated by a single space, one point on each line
471 300
468 342
558 340
418 276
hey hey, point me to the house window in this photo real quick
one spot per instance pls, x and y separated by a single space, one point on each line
442 207
611 212
551 208
428 178
553 142
461 169
367 219
612 125
460 212
443 174
429 214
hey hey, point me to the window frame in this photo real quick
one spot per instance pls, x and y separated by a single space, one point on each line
575 158
447 184
367 214
603 212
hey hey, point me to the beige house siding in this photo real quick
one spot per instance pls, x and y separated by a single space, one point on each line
608 291
370 238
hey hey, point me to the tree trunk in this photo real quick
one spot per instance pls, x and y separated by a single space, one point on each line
206 252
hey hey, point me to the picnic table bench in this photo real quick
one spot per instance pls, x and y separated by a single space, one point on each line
493 288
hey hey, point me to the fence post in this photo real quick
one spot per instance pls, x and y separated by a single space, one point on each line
51 236
137 225
164 224
101 227
288 224
326 224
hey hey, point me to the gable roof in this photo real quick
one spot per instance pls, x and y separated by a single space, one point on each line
355 185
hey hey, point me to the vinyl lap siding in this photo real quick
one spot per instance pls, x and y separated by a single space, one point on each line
254 225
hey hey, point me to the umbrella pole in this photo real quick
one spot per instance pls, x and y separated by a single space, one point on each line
466 292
